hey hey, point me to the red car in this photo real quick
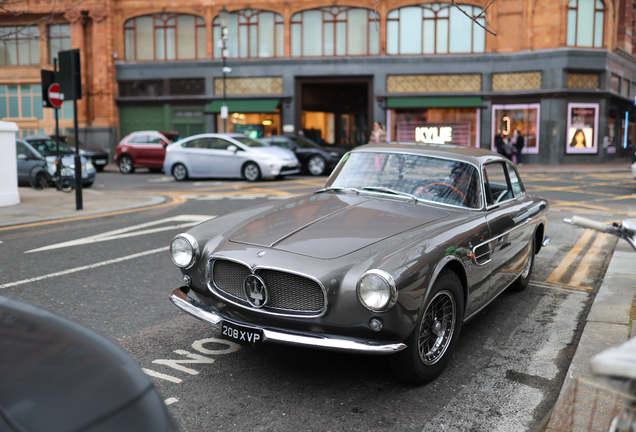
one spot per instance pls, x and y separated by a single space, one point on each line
143 149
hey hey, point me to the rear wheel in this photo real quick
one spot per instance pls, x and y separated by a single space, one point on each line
180 172
251 172
431 344
316 165
524 278
126 165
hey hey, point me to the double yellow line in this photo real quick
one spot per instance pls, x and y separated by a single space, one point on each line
584 266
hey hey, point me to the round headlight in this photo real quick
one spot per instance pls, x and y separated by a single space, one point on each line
183 250
377 290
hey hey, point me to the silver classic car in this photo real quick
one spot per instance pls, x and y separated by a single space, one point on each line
403 244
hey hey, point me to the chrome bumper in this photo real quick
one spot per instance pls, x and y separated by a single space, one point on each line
282 336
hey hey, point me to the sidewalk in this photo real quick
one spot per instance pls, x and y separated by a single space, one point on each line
50 204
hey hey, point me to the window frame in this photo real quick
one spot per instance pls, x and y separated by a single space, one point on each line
488 191
248 14
60 39
297 19
131 25
576 21
16 37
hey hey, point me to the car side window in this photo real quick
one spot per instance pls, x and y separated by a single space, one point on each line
155 139
139 139
496 184
23 149
219 144
283 144
515 182
200 143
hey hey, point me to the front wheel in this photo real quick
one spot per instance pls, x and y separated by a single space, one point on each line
431 344
126 165
251 172
180 172
39 178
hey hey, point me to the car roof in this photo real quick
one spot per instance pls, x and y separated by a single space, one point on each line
472 155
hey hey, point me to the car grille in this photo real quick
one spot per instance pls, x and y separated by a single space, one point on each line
287 292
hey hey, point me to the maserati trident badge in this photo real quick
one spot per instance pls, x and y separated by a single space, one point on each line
255 291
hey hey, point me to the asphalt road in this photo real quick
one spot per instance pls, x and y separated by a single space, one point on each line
114 274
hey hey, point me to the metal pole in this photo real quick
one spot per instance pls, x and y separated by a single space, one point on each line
224 96
58 159
78 159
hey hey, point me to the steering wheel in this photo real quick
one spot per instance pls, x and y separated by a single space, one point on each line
457 191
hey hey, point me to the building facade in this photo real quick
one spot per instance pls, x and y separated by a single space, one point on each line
562 72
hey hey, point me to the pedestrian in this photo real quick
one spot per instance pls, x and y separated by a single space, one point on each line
519 143
500 145
378 135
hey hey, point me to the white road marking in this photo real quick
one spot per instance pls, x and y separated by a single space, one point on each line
194 358
217 197
170 401
161 180
131 231
161 376
86 267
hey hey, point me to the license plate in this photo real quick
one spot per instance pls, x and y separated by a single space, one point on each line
240 333
100 161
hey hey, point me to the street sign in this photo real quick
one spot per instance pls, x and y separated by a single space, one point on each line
55 97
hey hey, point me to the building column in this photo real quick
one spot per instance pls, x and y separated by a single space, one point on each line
98 95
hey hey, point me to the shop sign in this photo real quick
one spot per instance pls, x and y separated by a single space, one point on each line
434 135
582 128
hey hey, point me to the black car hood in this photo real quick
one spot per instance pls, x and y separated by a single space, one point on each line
331 225
58 375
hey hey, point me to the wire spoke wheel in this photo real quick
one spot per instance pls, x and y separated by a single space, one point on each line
437 327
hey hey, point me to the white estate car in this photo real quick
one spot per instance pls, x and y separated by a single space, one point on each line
227 155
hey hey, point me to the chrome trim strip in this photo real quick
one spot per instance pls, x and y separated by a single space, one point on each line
516 227
282 336
291 314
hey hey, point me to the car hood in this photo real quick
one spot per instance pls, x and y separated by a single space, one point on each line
276 151
332 225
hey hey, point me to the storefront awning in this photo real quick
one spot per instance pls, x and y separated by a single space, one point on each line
435 102
244 106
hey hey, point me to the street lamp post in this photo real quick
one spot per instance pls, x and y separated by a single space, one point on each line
224 17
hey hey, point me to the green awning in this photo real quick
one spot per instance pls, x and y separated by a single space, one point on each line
244 106
435 102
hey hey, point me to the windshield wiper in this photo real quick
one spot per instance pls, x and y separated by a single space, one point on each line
338 189
389 191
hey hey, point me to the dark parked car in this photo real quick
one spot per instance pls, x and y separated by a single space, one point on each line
144 149
315 160
97 155
60 376
402 245
30 153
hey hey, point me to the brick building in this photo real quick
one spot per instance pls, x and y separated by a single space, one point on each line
563 72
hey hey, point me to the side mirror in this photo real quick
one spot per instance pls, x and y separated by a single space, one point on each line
232 148
22 157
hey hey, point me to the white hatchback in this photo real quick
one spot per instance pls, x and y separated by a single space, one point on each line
213 155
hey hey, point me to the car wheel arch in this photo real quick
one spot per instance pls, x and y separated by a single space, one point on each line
538 237
454 264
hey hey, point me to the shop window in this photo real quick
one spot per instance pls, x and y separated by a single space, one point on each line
625 88
21 101
615 83
255 125
435 28
150 88
586 21
165 37
523 118
251 34
582 128
19 45
334 31
187 87
456 126
59 40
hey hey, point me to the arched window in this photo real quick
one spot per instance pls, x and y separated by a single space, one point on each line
251 34
435 28
586 19
334 31
165 37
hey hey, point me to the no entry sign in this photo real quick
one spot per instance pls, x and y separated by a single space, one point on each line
55 97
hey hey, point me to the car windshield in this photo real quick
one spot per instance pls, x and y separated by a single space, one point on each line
426 178
48 147
250 142
304 142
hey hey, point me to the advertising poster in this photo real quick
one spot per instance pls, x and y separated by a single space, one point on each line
582 129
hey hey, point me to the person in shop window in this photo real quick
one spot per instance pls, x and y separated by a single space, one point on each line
500 145
519 143
378 135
